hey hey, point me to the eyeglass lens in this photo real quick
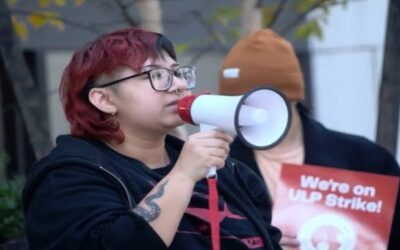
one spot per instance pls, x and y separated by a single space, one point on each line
161 78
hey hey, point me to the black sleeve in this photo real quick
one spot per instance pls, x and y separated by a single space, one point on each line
256 190
381 161
394 239
78 208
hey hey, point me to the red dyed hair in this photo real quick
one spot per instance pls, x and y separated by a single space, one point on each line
128 47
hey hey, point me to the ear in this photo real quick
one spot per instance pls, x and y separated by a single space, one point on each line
101 99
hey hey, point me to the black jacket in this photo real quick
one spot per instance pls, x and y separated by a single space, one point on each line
81 196
329 148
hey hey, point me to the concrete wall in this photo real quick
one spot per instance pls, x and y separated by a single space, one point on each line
346 67
55 62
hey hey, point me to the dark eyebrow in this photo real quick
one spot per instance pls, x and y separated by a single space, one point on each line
149 67
154 66
175 65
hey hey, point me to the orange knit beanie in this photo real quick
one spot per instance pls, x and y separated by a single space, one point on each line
262 59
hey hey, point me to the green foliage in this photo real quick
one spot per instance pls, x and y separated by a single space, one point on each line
3 164
223 29
45 14
304 5
267 14
308 29
225 15
313 27
11 216
181 48
225 18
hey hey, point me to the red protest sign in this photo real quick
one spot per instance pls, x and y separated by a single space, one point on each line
330 208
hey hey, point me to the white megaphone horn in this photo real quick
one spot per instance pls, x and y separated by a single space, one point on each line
260 118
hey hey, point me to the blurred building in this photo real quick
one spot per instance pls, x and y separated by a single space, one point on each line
346 67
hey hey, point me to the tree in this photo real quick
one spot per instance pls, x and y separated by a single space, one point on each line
150 22
251 18
389 98
28 98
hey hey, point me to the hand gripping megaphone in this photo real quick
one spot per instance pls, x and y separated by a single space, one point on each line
260 118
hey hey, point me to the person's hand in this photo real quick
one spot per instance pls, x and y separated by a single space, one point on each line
202 151
289 242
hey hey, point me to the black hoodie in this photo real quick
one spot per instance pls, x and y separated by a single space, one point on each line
82 194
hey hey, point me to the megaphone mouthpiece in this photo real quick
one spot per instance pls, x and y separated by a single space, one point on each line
184 105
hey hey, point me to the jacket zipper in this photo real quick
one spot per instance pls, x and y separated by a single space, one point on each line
121 183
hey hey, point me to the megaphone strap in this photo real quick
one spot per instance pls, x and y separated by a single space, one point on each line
214 212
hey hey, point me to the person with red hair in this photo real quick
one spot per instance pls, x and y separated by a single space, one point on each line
119 180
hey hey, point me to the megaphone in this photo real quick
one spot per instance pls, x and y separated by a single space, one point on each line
260 118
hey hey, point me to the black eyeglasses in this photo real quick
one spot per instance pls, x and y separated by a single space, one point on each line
161 78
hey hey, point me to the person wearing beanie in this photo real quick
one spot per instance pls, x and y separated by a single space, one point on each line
265 59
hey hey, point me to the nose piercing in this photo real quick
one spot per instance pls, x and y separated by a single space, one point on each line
179 92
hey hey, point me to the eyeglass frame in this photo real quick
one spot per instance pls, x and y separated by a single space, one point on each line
147 72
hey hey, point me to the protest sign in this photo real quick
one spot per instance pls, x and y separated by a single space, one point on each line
330 208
